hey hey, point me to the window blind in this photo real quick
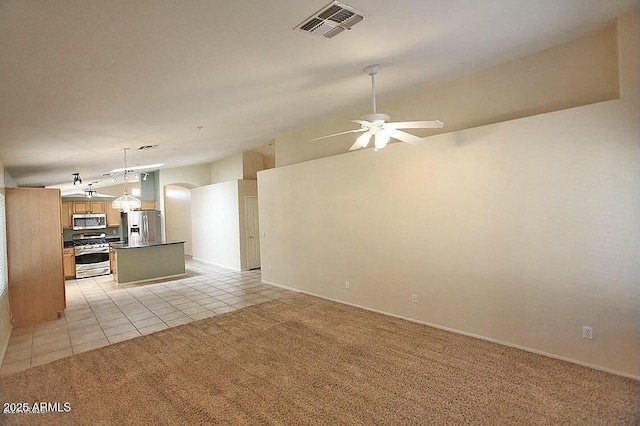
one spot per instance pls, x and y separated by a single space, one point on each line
3 250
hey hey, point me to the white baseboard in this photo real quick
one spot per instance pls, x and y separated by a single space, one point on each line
215 264
464 333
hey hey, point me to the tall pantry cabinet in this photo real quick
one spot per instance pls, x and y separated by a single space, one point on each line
34 252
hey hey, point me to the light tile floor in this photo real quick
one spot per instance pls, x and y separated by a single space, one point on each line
99 313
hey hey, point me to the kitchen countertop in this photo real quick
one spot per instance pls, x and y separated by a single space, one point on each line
147 262
123 245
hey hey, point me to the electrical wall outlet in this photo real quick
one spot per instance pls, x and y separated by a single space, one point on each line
414 298
347 284
587 332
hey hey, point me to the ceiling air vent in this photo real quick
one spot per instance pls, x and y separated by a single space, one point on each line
331 20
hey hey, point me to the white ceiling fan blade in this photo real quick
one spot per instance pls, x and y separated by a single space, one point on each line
405 137
338 134
362 122
433 124
355 146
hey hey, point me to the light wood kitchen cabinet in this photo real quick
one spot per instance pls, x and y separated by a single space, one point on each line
112 260
69 208
97 207
69 262
113 216
148 205
65 214
34 255
80 207
87 206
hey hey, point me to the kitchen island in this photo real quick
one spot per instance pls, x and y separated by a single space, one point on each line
146 262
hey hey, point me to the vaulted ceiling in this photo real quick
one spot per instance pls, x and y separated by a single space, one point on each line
203 79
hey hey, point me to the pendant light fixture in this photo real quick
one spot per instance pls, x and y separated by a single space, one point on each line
126 202
89 193
77 180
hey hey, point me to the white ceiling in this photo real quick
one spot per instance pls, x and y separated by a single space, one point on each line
81 80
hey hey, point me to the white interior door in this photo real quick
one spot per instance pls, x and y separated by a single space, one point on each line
252 232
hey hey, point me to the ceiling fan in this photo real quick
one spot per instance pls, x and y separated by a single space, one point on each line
378 125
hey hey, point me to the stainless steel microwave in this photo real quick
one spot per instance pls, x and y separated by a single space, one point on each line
89 221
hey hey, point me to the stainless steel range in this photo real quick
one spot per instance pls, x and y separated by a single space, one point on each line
92 255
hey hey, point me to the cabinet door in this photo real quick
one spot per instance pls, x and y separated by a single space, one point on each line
97 207
113 216
148 205
69 263
34 241
65 214
81 207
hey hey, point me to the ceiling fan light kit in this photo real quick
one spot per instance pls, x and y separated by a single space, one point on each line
90 193
379 125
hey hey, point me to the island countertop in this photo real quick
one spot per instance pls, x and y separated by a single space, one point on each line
123 245
147 262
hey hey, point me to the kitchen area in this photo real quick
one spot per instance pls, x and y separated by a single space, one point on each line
54 236
100 240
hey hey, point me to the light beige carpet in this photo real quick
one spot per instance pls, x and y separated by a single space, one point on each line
304 360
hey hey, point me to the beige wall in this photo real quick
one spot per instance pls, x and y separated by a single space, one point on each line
243 165
189 177
226 169
577 73
218 222
177 203
520 232
5 316
177 217
252 163
628 55
215 227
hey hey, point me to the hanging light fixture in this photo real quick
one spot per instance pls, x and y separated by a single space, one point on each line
89 193
382 139
77 180
126 202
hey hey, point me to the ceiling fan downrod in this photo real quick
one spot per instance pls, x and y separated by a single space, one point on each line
372 70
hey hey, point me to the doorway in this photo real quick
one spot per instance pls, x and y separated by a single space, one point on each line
252 232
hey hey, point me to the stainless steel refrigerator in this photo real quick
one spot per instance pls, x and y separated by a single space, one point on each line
141 227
